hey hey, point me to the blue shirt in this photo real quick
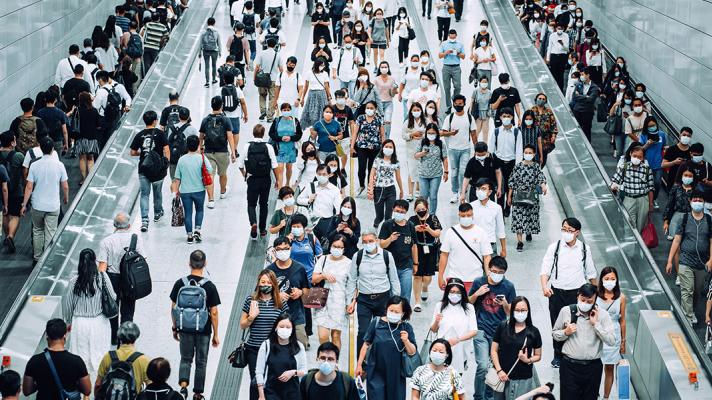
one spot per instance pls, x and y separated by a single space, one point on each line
489 313
323 130
303 253
654 152
452 58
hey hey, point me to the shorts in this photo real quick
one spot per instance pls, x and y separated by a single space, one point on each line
14 205
219 162
382 46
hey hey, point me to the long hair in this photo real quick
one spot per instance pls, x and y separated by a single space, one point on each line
85 101
334 157
275 288
438 141
88 274
293 345
616 290
512 321
394 158
110 27
412 119
352 218
464 301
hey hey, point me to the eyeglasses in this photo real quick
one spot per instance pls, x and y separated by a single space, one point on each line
570 230
327 359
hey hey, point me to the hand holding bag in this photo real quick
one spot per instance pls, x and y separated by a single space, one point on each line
650 235
492 378
238 357
317 295
109 307
207 178
178 217
525 198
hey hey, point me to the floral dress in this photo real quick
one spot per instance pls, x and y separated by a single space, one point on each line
546 121
369 133
333 315
525 178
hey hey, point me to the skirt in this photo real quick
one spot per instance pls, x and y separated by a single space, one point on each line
287 153
313 108
87 146
91 340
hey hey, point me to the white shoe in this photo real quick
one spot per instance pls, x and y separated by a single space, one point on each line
417 307
454 199
224 194
211 204
677 281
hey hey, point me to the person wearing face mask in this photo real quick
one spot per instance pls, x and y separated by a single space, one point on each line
346 223
413 133
409 81
332 272
327 133
306 167
447 379
633 180
387 337
280 224
594 61
693 239
635 122
454 320
346 64
384 175
386 87
697 164
613 301
318 95
556 54
424 94
402 27
621 109
505 97
678 204
443 17
548 29
526 181
268 61
432 156
482 166
336 11
293 282
256 161
260 311
305 247
582 328
532 136
322 198
322 50
480 107
336 176
281 361
566 265
482 54
427 233
380 35
397 235
459 132
452 53
488 215
545 120
640 90
654 142
360 40
289 86
326 381
284 133
506 146
676 155
320 24
583 101
460 243
366 142
516 346
492 296
364 93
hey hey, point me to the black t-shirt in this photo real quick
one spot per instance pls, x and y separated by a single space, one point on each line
401 247
510 345
167 111
89 121
219 124
671 154
294 277
345 117
70 368
512 99
71 90
334 391
476 170
424 238
212 297
147 140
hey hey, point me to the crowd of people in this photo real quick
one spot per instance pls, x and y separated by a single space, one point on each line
325 260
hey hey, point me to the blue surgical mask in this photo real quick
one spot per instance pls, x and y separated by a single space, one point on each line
326 368
697 206
496 278
697 159
398 216
437 357
370 247
687 180
297 232
653 128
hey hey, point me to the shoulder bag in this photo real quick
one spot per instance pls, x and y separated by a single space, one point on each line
63 394
425 348
492 378
207 178
316 296
527 198
238 357
409 363
264 79
109 307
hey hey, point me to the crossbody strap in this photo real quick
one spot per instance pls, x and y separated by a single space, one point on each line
517 360
468 246
55 376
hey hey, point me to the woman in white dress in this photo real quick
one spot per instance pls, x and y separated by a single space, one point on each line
91 330
413 134
454 320
332 269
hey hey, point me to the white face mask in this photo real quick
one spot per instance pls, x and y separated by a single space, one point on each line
402 15
528 156
481 194
454 297
341 101
437 358
567 236
417 114
466 221
348 46
528 122
685 140
432 137
393 318
387 151
505 86
483 28
483 85
584 307
638 109
430 110
506 121
687 180
635 160
370 112
363 78
424 83
520 316
496 278
322 45
424 60
414 64
609 284
345 211
384 70
283 255
322 179
337 252
284 333
369 247
289 201
639 94
333 169
398 216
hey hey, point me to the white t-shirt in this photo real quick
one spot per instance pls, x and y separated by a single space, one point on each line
460 141
417 95
411 79
288 84
37 152
456 323
481 54
401 26
46 174
237 113
317 81
461 263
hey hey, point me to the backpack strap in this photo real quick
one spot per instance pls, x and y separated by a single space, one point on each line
312 243
308 379
359 258
114 356
573 308
53 371
133 357
555 264
185 281
468 246
134 240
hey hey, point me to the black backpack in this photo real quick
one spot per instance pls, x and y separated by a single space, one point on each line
154 165
386 260
135 274
224 69
177 142
229 98
249 22
15 185
54 128
236 49
162 15
119 383
214 131
258 163
114 104
683 225
84 55
135 47
173 116
270 35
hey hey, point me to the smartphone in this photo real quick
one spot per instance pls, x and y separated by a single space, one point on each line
426 149
500 297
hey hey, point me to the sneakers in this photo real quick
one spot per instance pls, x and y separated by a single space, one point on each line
211 204
263 116
198 396
224 194
215 81
529 237
144 226
417 307
9 245
409 197
263 233
677 281
207 85
253 232
189 239
197 237
692 319
520 247
455 198
157 216
555 363
656 205
184 392
424 296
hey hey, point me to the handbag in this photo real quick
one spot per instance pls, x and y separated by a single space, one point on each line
409 363
264 79
63 394
109 307
425 349
525 198
614 125
473 74
492 378
316 296
411 33
650 236
207 178
238 357
178 217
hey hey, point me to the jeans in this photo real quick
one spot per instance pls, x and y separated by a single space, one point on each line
620 143
208 57
387 117
369 306
194 345
403 45
189 200
383 199
145 189
459 4
452 76
482 343
258 192
506 167
429 189
458 162
405 276
692 284
253 48
348 85
657 181
127 307
44 225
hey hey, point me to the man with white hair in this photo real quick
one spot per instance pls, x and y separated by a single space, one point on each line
111 251
128 334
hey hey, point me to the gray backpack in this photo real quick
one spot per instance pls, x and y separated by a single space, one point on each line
209 41
191 311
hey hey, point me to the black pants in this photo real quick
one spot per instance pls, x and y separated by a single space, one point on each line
383 199
369 306
585 119
443 28
557 65
403 45
365 163
149 57
580 381
127 308
258 193
251 353
507 167
459 5
560 299
429 4
392 23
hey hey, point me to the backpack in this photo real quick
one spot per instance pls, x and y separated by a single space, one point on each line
341 56
191 311
153 165
84 56
134 49
496 137
258 163
236 49
173 116
214 134
177 142
162 15
386 259
15 185
209 40
224 69
555 264
119 382
573 308
229 98
270 35
249 22
135 274
345 382
114 102
27 133
54 128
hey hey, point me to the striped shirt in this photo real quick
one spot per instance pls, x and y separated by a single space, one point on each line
262 326
154 32
123 23
83 305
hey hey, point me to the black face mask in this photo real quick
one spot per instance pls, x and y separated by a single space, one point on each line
422 213
290 69
310 153
266 289
458 108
